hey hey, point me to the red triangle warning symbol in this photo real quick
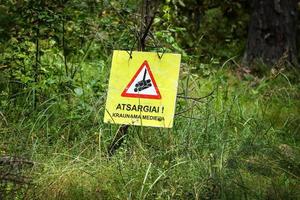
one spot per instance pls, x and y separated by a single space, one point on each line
142 84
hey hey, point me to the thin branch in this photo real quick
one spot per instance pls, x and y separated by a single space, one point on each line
9 160
148 27
186 110
2 67
193 118
118 140
196 98
4 118
14 178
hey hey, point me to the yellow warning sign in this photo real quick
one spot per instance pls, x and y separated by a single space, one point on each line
142 89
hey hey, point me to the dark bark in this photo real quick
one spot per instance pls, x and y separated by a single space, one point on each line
37 64
148 11
272 31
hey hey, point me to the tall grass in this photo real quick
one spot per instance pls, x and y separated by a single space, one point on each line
242 142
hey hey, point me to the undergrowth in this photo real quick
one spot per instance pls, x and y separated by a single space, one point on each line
240 142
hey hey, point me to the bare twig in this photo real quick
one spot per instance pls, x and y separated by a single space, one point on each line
15 178
192 118
196 98
143 38
2 67
118 140
10 160
4 119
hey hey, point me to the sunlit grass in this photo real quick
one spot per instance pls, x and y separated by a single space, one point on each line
241 142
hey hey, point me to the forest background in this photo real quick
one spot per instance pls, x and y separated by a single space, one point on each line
237 121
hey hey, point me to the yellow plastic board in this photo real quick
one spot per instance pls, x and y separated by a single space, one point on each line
142 89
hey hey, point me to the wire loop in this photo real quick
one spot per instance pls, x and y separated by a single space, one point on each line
160 55
131 49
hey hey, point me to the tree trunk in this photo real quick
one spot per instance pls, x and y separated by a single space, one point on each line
272 31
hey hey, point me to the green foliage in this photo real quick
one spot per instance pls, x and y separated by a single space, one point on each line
240 142
209 29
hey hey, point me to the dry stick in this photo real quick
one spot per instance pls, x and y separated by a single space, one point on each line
15 178
64 46
118 140
197 98
14 164
37 63
8 160
2 67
